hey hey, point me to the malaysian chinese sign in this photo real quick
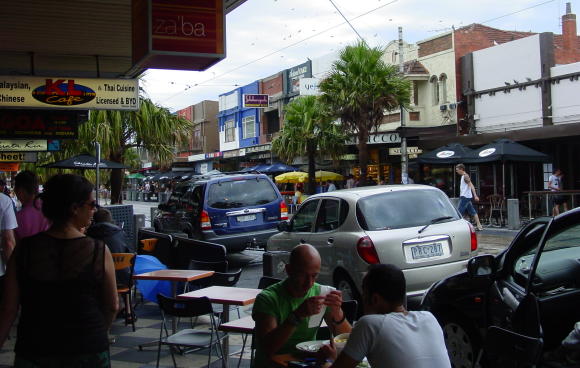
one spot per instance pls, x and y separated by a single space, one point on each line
256 100
23 145
69 93
177 34
37 124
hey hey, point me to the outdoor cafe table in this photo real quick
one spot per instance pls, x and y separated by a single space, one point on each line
175 276
227 296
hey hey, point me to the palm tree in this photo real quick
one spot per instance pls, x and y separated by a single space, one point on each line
308 129
152 128
360 89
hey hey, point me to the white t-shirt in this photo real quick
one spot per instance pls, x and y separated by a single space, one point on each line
464 189
7 220
331 187
555 182
414 340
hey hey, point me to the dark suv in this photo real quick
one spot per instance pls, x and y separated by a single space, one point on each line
235 210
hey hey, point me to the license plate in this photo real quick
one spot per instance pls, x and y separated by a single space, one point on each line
246 218
427 251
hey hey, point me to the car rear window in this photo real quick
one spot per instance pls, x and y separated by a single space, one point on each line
241 193
405 208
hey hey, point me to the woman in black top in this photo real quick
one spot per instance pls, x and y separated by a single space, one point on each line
64 283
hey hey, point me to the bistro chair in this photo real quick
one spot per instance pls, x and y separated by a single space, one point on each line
191 338
496 206
124 266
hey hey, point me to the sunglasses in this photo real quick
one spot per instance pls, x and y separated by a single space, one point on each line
92 204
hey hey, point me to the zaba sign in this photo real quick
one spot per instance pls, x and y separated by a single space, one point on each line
256 100
69 93
177 34
41 124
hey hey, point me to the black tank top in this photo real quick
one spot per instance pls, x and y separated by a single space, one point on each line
61 286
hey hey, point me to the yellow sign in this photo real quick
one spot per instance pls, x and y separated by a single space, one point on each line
30 145
69 93
410 151
18 156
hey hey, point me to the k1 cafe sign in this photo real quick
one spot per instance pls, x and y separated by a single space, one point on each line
256 100
69 93
380 138
309 86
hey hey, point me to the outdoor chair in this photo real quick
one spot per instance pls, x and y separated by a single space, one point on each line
187 249
496 207
126 262
162 249
266 281
190 338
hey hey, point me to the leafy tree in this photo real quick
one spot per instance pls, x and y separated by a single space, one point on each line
308 129
152 128
360 89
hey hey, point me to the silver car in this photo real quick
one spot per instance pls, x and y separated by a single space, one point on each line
412 226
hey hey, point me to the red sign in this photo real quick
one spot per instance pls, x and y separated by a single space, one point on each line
180 34
9 166
40 124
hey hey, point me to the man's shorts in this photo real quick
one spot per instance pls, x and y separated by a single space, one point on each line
559 199
466 205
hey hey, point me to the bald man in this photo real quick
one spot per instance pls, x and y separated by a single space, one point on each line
282 310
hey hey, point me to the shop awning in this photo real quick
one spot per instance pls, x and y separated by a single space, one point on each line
452 153
506 150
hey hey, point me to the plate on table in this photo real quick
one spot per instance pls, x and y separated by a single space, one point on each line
311 346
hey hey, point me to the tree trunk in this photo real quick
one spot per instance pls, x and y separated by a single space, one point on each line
116 180
363 155
311 153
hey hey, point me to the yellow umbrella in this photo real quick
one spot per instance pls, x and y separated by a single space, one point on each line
327 175
292 177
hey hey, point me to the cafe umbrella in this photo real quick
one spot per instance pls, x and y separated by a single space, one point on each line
452 153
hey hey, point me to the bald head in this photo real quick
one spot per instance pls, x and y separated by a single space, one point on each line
303 269
304 254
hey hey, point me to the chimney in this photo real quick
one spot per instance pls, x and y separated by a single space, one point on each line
569 28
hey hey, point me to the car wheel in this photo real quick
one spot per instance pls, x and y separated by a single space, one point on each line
344 284
462 344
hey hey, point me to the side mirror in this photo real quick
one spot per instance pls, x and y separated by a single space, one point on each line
283 226
481 266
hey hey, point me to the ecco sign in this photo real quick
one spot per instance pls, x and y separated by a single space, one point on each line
381 138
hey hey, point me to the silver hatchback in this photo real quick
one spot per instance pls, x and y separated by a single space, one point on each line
415 227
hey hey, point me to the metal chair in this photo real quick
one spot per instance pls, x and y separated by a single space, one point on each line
496 206
124 265
197 339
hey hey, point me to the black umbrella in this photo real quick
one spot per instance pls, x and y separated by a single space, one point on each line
84 162
452 153
277 168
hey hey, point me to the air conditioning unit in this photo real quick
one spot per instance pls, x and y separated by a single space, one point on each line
443 107
452 106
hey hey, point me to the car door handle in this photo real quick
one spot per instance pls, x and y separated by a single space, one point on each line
330 241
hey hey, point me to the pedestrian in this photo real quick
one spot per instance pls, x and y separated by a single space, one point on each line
350 181
555 185
7 241
30 219
388 335
331 187
467 195
63 282
298 194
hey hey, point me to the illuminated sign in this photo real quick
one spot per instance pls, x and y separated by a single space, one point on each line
177 34
46 124
69 93
253 100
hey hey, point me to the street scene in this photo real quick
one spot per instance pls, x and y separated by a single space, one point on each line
281 183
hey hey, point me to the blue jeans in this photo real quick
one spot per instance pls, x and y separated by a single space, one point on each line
466 205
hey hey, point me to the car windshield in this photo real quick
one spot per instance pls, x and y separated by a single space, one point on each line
241 193
405 208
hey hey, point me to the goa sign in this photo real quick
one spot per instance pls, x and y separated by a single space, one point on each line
69 93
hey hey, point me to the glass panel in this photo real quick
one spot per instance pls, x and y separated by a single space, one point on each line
302 221
328 216
241 193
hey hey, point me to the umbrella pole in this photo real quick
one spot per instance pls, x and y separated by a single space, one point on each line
503 178
98 154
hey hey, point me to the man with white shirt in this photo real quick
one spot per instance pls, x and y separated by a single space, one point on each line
7 240
388 335
555 185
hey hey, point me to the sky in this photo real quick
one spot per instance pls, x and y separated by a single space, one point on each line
264 37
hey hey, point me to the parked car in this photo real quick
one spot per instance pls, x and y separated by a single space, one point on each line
415 227
234 210
532 289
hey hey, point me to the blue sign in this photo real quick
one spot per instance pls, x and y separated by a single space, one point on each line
53 145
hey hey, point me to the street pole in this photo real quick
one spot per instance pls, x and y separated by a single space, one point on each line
404 158
98 155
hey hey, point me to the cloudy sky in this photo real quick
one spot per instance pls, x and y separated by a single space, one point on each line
267 36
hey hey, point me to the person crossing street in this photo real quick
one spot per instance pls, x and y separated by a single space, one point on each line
467 194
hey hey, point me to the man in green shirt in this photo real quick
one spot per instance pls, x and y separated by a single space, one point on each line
282 310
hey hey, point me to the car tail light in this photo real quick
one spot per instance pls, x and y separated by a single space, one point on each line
473 238
283 211
204 221
366 250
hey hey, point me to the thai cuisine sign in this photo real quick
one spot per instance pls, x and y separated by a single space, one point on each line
69 93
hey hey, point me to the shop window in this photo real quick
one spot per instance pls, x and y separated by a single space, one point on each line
443 88
249 127
434 90
414 116
415 93
230 131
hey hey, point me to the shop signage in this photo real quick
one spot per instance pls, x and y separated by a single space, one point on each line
260 148
213 154
199 157
148 165
294 75
380 138
9 166
53 145
203 168
256 100
15 145
18 156
38 124
349 157
264 155
177 34
396 151
445 154
234 153
309 86
487 152
69 93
